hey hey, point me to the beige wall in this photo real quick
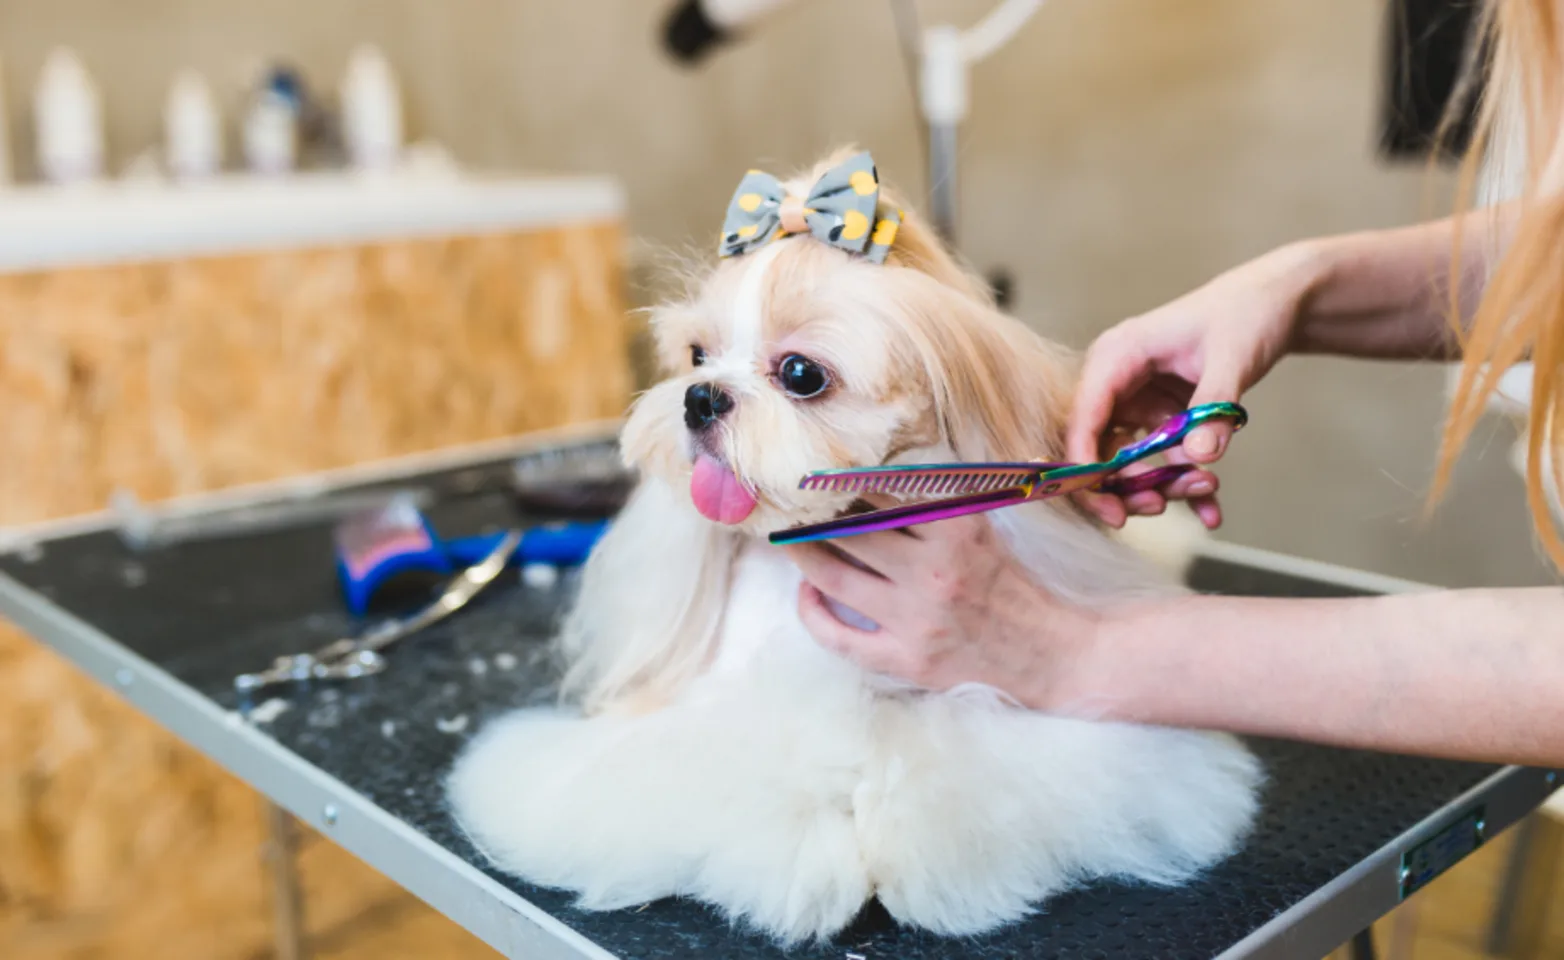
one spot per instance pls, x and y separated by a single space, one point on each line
1119 153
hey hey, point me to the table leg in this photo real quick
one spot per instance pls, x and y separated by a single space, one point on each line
1362 947
1520 917
287 902
1403 931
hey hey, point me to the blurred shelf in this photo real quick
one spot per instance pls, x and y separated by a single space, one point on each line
47 227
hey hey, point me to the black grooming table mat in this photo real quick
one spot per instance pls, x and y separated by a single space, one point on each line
363 760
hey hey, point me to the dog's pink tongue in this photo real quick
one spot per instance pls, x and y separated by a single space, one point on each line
717 493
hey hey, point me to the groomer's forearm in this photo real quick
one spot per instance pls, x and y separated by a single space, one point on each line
1476 674
1386 293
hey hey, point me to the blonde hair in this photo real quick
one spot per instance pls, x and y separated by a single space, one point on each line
1520 315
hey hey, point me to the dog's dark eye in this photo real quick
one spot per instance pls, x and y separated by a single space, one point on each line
801 376
697 356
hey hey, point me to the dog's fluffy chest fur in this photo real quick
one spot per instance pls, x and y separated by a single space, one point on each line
760 618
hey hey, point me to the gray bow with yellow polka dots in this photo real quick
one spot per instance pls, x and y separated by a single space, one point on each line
840 209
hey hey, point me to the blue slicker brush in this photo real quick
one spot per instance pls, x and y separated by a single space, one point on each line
375 545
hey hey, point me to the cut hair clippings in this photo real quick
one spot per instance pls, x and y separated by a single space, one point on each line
976 487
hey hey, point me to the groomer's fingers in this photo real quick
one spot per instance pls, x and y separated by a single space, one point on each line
1150 502
872 651
887 552
1197 488
1195 483
1198 482
1113 371
1146 503
1219 384
863 590
1149 408
1137 503
1115 367
1208 510
1109 508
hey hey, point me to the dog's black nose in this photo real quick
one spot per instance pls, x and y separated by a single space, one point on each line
704 404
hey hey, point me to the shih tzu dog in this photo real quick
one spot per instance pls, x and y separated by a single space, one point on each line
710 748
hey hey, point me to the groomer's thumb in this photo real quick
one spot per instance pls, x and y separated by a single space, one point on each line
1207 442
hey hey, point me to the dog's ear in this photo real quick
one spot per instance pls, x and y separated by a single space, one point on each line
1002 391
674 325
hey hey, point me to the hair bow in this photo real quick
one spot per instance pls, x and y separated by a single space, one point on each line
842 208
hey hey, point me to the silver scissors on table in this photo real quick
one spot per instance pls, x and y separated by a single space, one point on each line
353 657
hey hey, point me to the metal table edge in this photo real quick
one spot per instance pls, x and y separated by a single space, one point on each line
1320 571
440 878
1331 915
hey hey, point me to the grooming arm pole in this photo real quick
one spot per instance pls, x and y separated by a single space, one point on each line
943 92
946 62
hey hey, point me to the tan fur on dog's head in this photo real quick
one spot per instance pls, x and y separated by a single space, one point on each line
913 351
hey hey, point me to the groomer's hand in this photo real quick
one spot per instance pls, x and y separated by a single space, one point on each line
949 606
1210 345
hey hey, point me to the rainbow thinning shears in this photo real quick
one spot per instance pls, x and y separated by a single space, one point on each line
976 487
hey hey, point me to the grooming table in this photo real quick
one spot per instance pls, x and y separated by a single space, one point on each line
1343 838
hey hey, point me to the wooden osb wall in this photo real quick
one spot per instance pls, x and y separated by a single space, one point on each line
167 378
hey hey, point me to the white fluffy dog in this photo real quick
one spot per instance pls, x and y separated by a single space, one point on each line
713 750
